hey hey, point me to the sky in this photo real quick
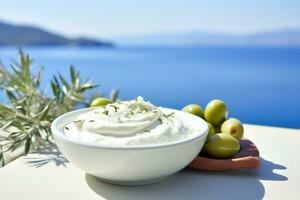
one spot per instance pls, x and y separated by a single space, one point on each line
116 18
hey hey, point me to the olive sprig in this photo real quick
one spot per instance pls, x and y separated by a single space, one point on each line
25 120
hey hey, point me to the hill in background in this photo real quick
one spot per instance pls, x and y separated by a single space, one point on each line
16 35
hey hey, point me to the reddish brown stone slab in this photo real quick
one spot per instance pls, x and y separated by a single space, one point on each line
247 158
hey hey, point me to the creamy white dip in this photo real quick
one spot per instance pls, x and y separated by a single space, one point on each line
125 123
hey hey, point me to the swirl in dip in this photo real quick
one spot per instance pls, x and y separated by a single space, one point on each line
125 123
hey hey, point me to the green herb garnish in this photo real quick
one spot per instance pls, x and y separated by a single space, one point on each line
144 109
105 112
115 107
170 115
160 120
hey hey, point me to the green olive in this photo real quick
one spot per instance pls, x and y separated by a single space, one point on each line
233 127
211 130
215 112
100 101
194 109
222 145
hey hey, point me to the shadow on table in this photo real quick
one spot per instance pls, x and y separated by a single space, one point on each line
191 184
50 153
266 171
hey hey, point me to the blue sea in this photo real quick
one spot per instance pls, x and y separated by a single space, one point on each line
259 85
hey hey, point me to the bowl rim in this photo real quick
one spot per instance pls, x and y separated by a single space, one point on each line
58 133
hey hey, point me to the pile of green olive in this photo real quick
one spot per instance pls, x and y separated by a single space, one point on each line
224 133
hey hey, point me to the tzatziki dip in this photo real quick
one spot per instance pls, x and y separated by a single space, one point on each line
128 123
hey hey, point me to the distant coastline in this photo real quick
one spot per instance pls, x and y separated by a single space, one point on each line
276 38
31 36
23 36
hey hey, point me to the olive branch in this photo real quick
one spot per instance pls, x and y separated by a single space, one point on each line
25 120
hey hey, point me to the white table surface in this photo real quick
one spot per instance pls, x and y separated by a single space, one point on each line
46 176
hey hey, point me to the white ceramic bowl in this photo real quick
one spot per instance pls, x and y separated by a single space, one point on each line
132 165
